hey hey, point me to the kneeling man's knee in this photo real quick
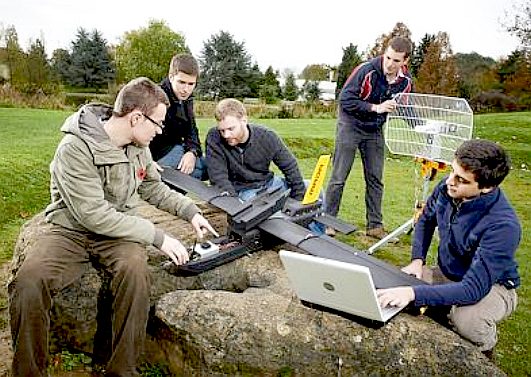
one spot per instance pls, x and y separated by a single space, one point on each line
471 325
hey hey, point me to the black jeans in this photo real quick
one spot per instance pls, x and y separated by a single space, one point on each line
349 139
58 259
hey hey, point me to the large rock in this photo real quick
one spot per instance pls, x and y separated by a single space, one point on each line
243 319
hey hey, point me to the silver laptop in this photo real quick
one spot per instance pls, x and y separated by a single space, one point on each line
333 284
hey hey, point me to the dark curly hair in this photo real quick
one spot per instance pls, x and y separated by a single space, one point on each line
486 160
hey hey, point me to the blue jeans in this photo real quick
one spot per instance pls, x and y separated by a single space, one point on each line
173 157
248 194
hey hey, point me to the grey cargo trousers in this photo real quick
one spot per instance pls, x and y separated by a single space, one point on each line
477 322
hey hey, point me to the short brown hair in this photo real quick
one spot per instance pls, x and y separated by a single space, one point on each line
230 107
139 94
400 44
185 63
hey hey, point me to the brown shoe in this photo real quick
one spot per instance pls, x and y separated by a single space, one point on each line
379 233
331 232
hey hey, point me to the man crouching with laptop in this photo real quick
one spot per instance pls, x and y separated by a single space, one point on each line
479 233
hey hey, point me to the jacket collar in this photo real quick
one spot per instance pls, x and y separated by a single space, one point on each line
87 125
377 63
480 204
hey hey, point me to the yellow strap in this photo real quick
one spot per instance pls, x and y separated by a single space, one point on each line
318 176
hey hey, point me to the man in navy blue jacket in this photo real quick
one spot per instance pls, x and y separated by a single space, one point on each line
479 233
365 100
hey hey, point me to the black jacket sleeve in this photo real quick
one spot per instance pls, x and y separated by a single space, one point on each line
191 139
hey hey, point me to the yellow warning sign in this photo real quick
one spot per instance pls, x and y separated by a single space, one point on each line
318 176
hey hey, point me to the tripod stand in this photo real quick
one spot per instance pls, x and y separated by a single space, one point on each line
428 170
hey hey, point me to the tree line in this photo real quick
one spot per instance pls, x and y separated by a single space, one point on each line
228 70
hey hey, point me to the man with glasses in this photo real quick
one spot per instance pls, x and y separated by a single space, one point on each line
100 171
178 146
479 233
160 124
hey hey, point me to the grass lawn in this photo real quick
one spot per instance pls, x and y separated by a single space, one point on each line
28 139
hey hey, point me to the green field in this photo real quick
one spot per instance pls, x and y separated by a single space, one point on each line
28 139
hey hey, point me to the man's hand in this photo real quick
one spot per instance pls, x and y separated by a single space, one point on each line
187 163
174 249
399 296
202 226
414 268
385 107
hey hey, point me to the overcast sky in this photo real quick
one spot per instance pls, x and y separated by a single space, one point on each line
281 33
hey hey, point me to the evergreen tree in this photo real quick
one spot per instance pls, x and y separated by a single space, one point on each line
270 90
351 59
104 69
417 58
256 80
226 68
507 67
60 64
148 52
39 75
517 85
311 91
91 64
80 59
290 90
271 78
268 93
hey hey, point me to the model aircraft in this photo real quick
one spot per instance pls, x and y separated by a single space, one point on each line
270 219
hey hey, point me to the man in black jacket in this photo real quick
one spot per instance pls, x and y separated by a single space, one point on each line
239 154
178 146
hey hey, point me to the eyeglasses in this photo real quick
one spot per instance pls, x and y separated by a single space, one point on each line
161 125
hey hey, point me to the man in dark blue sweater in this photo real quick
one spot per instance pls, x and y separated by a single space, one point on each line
479 233
365 100
239 155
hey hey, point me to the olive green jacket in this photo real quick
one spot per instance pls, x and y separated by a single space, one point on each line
96 186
